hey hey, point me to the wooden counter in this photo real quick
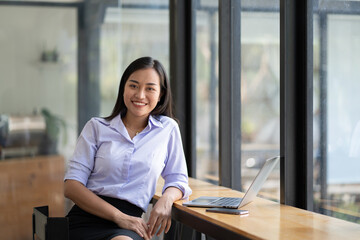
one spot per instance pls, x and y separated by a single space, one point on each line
27 183
266 219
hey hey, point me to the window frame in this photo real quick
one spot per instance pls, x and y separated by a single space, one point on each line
296 103
296 118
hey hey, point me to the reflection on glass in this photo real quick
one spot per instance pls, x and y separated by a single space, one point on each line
207 103
260 96
38 66
129 31
38 111
337 114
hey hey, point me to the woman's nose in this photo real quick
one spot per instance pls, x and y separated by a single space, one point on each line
140 93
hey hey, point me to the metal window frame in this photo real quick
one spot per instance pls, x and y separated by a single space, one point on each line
296 98
230 93
322 155
183 74
90 19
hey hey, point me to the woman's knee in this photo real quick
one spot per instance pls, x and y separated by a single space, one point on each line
121 238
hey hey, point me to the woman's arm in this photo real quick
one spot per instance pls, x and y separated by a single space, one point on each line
160 215
91 203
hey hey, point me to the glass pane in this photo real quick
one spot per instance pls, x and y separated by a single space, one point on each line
336 111
38 111
38 65
131 30
260 94
207 103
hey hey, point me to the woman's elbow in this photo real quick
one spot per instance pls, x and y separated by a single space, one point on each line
68 188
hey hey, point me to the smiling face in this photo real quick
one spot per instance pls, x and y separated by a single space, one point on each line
142 92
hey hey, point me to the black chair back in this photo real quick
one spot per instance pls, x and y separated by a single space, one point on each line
49 228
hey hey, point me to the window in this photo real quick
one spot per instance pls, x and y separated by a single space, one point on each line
130 30
260 95
317 128
336 112
207 87
38 65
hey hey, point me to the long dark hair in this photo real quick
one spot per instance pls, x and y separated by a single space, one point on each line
164 106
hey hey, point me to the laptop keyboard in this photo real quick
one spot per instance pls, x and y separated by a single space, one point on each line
227 202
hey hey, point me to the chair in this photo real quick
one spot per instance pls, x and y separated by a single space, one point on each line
49 228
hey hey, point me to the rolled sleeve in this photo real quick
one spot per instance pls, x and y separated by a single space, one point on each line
82 161
174 181
175 171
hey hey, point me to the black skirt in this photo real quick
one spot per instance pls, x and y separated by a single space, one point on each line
86 226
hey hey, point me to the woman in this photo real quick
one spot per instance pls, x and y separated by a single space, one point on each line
113 172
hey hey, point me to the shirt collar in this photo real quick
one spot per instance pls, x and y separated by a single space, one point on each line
117 123
155 121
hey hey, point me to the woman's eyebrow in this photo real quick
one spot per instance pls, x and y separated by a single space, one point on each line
134 81
150 83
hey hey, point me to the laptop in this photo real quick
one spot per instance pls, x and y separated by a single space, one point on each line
230 202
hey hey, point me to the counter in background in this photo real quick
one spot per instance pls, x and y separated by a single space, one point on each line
26 183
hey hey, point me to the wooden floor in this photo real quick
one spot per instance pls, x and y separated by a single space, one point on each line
27 183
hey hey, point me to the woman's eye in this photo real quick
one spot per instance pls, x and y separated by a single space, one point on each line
132 86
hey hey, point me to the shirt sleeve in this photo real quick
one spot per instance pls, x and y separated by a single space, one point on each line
175 171
82 161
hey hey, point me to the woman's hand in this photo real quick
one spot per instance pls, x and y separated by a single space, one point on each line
135 224
160 216
93 204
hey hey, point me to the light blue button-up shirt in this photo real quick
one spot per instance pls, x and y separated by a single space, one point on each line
109 163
